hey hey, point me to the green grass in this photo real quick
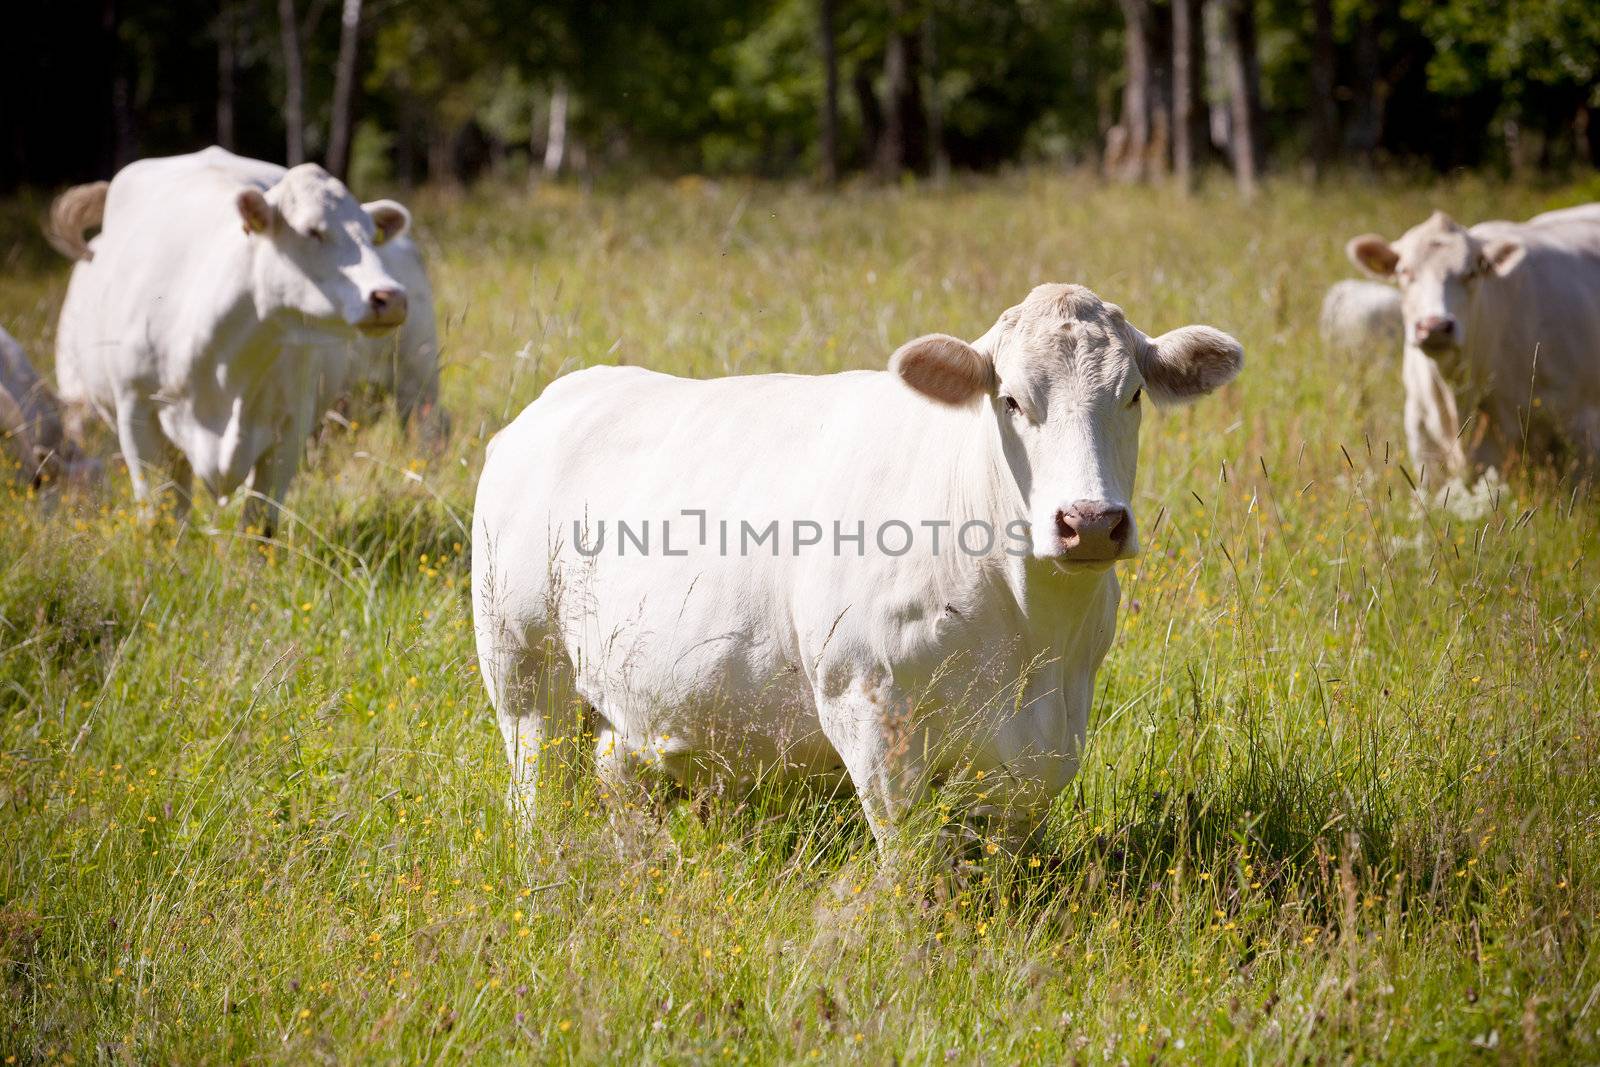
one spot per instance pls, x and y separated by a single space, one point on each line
1342 794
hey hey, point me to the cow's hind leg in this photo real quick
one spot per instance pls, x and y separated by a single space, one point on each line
541 722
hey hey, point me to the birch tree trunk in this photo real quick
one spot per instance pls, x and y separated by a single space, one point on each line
1188 92
1244 92
555 143
294 112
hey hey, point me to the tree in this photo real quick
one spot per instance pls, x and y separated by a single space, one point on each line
902 144
828 119
227 73
344 90
1188 90
555 144
294 116
938 158
1138 149
1324 72
1244 94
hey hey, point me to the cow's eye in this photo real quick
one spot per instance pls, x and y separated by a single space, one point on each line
1137 394
319 235
1012 405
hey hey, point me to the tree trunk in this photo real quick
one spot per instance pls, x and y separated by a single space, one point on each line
227 72
938 160
555 142
1244 93
124 129
294 118
904 127
1138 149
871 112
1189 117
829 119
1366 123
342 130
1324 110
1125 157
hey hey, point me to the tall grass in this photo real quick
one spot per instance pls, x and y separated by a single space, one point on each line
1342 791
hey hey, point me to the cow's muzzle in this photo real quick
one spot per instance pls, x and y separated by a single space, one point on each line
1093 531
386 309
1435 332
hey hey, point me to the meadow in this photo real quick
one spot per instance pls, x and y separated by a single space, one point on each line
1341 800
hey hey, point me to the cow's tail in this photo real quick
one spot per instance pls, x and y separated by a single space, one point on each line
73 212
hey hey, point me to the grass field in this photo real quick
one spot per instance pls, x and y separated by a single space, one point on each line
1342 793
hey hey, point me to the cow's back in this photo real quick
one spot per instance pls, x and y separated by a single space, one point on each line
1536 331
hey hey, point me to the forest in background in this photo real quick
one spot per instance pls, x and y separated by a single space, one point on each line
405 91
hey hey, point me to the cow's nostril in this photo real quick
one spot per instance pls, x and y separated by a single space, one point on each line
387 301
1067 532
1123 527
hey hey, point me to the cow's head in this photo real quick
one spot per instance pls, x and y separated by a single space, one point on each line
1064 374
1439 266
318 252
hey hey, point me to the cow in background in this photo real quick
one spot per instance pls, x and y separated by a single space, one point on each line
1362 318
1502 327
215 313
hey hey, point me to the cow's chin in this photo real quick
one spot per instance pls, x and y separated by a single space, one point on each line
377 329
1080 568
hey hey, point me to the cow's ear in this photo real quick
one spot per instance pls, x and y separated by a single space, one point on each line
943 368
1189 362
1503 254
390 219
1373 254
255 210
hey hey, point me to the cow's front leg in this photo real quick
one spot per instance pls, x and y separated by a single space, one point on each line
871 728
1431 420
160 474
269 482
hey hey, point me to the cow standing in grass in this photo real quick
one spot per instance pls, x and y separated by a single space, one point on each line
898 663
214 313
1362 319
1502 322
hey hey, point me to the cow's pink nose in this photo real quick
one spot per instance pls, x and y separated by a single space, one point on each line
1092 530
1436 329
388 306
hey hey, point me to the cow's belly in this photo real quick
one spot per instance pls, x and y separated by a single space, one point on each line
707 668
693 664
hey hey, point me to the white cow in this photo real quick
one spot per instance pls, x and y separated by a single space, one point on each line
898 574
30 419
1501 320
1362 318
215 311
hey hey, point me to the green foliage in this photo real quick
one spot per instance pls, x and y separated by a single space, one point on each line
1337 803
1518 44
